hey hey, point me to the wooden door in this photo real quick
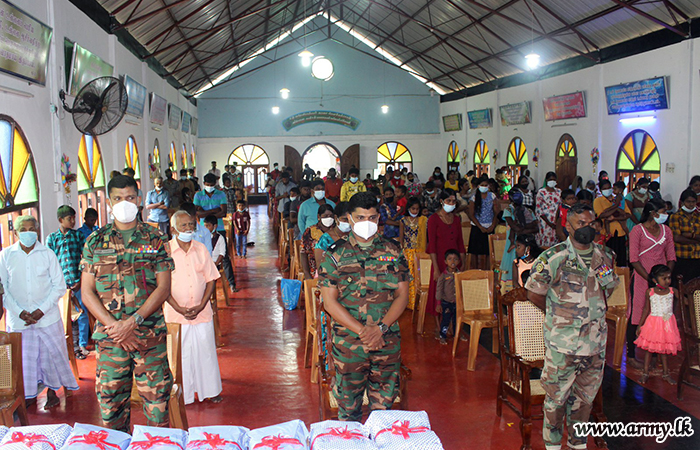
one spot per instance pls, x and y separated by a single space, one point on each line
566 171
292 160
350 157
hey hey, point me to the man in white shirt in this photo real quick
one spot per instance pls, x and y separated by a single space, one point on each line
33 283
214 170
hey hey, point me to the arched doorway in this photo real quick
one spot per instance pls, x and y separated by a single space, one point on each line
453 156
637 157
91 179
321 157
253 161
517 159
172 160
394 154
19 190
567 161
482 160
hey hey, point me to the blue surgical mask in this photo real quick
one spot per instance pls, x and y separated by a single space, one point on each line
344 227
606 192
483 189
28 238
661 219
448 208
353 179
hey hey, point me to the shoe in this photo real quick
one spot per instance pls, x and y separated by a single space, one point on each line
667 378
633 363
84 351
443 341
644 378
80 355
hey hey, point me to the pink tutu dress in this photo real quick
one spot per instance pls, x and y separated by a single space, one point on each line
659 334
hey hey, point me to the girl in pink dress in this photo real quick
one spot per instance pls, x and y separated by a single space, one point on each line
658 332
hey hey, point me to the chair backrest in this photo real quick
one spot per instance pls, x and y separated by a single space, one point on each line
290 235
620 295
424 266
310 286
11 379
474 290
497 245
689 294
64 305
466 231
174 345
297 254
524 324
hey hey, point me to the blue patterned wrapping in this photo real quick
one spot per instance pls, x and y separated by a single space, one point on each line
218 438
3 431
36 437
155 438
402 430
91 437
336 435
290 435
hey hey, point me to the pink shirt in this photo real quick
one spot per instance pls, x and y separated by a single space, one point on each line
193 270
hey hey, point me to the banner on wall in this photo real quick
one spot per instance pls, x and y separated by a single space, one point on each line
320 116
85 67
638 96
515 113
195 125
480 118
25 43
453 122
567 106
159 107
174 116
186 118
137 97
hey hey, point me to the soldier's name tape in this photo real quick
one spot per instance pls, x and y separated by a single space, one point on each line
680 427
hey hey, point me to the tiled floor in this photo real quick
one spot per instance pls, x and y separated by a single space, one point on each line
265 382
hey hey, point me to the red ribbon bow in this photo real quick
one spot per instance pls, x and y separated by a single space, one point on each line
152 441
215 441
29 439
342 433
95 438
276 442
403 429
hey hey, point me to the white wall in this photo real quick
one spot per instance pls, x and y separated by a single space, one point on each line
51 135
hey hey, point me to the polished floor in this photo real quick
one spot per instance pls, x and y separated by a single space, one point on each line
265 382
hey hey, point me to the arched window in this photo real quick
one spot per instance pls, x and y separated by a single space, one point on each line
156 154
517 159
193 159
482 160
453 156
566 161
638 157
91 179
394 154
253 161
131 152
19 190
183 156
172 159
321 157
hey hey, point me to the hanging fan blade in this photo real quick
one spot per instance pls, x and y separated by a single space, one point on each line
100 106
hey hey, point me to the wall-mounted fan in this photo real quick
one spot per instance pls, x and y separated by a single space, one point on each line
99 106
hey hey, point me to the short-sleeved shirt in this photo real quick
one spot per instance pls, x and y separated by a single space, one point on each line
366 278
600 204
207 203
69 249
125 273
349 189
683 222
308 213
576 296
333 186
485 214
87 231
282 189
158 215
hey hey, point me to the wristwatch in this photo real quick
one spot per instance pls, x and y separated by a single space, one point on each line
384 328
137 318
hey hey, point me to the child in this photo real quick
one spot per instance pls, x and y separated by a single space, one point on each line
241 223
401 200
526 252
585 196
89 222
67 244
568 199
446 294
657 331
601 236
219 251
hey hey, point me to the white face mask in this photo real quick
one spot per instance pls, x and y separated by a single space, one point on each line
185 236
606 192
344 227
327 222
319 194
483 189
661 219
292 198
552 183
353 179
642 191
209 189
688 210
448 208
125 211
365 229
413 215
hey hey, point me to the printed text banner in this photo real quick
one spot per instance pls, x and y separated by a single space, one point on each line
515 113
24 44
645 95
569 106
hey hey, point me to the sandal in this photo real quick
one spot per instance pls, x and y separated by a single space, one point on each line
667 378
644 378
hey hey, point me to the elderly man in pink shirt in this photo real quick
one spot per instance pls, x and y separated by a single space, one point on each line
192 285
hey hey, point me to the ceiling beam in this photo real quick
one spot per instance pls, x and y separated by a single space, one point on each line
139 19
406 22
652 18
563 22
172 27
121 7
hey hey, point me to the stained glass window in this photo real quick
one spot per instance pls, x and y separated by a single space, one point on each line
193 159
183 156
91 174
131 152
394 154
638 157
482 160
253 161
517 158
172 158
156 154
567 147
453 153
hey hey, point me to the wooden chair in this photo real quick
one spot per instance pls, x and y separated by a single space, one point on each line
475 290
228 229
326 369
11 380
497 246
617 312
215 309
310 294
66 307
466 232
176 404
298 268
690 315
284 246
424 265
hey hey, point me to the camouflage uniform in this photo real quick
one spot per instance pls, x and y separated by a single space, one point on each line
575 334
366 278
125 275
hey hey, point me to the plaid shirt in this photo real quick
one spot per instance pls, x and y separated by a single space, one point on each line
230 200
529 199
69 249
682 222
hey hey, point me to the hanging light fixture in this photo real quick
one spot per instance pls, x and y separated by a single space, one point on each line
385 109
305 55
284 92
532 59
275 110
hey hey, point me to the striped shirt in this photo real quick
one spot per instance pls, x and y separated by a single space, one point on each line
207 203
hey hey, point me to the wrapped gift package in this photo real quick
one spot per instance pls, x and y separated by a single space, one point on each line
3 431
91 437
155 438
218 438
336 435
290 435
36 437
405 430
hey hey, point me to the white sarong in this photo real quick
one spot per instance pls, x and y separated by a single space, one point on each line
200 366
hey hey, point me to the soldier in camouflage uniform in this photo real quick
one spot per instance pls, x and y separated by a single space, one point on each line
126 278
364 284
571 282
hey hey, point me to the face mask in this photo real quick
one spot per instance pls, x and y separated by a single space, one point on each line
437 174
413 215
28 238
158 188
552 184
517 198
448 208
209 189
606 192
292 198
327 222
319 194
483 189
397 176
584 235
592 191
410 180
191 177
642 191
353 179
379 199
344 227
185 236
389 199
525 256
125 211
688 210
430 192
365 229
661 219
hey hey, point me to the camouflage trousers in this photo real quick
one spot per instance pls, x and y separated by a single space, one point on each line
115 371
571 383
358 370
